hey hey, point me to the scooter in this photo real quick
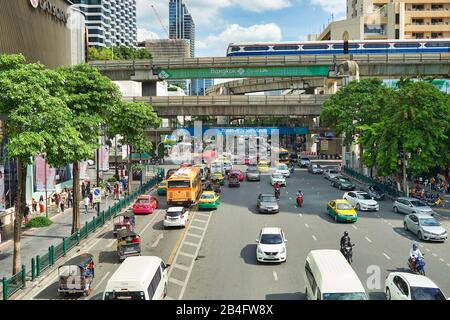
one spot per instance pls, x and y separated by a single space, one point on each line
347 251
277 194
299 200
418 266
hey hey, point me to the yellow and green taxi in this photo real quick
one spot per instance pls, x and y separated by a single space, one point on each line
209 200
162 188
342 211
264 166
218 177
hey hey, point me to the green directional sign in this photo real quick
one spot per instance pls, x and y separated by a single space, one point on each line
217 73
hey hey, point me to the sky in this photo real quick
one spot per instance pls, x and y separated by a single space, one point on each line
220 22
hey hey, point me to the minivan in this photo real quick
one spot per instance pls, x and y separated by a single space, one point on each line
138 278
328 276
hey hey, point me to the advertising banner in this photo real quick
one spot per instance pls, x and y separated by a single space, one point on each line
104 158
40 171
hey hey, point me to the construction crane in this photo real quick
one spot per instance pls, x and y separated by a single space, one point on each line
160 21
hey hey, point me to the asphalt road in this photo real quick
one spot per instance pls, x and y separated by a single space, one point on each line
215 256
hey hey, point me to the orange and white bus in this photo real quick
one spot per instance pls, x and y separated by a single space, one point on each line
184 187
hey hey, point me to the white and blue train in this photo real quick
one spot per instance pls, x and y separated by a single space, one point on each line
339 47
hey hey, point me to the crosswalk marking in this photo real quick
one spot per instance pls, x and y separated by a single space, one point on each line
177 282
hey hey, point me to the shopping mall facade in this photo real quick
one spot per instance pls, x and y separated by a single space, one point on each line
45 31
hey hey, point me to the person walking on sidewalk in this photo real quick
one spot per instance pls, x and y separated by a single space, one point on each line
70 199
26 213
41 205
91 200
34 206
86 204
61 205
83 190
116 191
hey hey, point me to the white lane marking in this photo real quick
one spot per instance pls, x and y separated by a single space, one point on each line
177 282
199 220
306 225
149 223
421 245
186 254
159 238
193 235
448 264
196 227
441 260
384 220
354 227
181 267
386 256
201 214
300 215
190 244
103 279
275 276
434 255
314 237
390 224
428 250
370 241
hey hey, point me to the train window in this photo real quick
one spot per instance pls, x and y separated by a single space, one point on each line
234 49
376 45
407 45
280 48
350 46
437 44
255 48
315 46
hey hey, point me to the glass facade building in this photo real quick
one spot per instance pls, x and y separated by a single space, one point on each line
181 23
199 86
110 23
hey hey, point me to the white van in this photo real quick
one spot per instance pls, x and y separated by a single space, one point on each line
138 278
217 166
328 276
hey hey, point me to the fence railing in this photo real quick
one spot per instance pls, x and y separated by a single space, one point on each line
41 263
394 193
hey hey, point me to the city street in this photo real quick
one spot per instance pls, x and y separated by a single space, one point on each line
215 256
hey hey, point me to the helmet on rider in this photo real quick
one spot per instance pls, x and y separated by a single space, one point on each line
415 246
345 234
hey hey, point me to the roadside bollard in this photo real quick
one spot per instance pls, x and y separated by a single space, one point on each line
78 237
52 249
50 256
94 224
5 288
86 228
33 269
24 277
38 265
64 246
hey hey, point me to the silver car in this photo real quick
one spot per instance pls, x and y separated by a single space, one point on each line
331 173
411 205
253 174
267 203
425 227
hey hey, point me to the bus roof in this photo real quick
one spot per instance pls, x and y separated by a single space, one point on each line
185 173
335 273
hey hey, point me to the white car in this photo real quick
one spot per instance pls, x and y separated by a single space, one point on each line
276 177
361 201
283 170
271 245
176 217
331 173
408 286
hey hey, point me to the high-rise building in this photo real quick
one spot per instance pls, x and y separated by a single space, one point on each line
391 19
181 23
199 86
110 23
167 48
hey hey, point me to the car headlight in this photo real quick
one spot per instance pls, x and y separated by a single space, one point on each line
283 250
259 250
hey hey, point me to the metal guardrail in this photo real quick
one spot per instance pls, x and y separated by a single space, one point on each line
40 263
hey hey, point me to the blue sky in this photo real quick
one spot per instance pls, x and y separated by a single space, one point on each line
220 22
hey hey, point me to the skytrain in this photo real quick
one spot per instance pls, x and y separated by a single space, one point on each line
339 47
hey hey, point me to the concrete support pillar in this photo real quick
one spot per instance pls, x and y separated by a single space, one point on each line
310 146
149 89
223 120
330 86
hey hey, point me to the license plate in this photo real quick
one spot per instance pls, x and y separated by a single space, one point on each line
349 219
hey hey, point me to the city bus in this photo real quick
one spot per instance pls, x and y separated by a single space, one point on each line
184 187
283 155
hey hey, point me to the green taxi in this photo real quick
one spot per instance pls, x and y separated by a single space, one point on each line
218 177
209 200
342 211
162 188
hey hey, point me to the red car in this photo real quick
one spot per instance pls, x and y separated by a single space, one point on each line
145 205
239 173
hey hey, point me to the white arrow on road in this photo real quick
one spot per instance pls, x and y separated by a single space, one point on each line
160 237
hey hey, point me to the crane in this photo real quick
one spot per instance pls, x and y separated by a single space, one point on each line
160 21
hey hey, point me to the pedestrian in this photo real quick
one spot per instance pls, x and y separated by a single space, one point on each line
26 213
61 204
116 191
70 199
34 206
86 204
91 200
41 205
83 190
57 199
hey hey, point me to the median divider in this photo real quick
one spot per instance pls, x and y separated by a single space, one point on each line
41 263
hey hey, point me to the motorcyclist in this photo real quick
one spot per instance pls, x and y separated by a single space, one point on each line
277 188
300 193
414 253
345 241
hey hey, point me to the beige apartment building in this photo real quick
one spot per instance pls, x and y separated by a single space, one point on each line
167 48
391 19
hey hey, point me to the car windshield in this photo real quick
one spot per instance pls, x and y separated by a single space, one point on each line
417 203
208 196
333 172
344 206
363 196
305 159
343 180
420 293
252 170
429 222
345 296
146 201
268 199
163 184
174 213
271 239
282 167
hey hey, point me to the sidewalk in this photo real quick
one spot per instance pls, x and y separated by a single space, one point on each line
36 241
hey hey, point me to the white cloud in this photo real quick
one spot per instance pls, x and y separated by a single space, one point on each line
263 5
337 7
144 34
218 44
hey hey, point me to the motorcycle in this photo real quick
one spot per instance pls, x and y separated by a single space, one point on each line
299 200
292 169
277 194
347 251
417 265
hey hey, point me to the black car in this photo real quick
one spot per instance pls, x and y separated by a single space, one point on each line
342 183
374 191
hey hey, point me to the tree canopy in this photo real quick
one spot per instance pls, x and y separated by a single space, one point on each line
118 53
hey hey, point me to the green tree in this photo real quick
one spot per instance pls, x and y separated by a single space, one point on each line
37 122
360 103
117 53
130 121
415 124
91 99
